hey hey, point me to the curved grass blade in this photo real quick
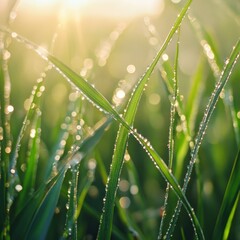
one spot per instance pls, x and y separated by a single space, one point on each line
97 98
172 127
230 199
70 231
34 103
230 63
126 220
35 217
105 226
32 161
41 220
5 142
116 232
84 187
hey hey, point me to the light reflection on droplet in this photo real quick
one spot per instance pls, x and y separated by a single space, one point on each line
238 115
176 1
33 133
154 99
57 210
124 202
8 150
208 187
18 188
127 157
9 109
153 41
165 57
92 164
27 104
14 34
131 68
134 189
13 15
124 185
6 55
93 191
120 93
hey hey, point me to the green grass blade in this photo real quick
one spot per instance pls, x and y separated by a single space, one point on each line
230 218
105 226
35 217
22 224
39 225
71 222
5 141
84 187
172 127
29 180
230 63
229 101
29 117
104 105
231 197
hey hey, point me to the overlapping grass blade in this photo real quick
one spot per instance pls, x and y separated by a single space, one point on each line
26 218
122 138
29 179
172 127
29 117
230 63
97 98
71 222
126 220
5 141
83 188
35 217
230 200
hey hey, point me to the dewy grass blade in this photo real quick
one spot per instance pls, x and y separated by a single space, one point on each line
172 127
84 187
122 138
229 65
37 91
231 197
23 224
32 161
5 140
39 209
71 222
98 99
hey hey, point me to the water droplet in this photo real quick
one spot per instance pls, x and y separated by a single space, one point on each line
124 202
134 189
18 188
131 68
165 57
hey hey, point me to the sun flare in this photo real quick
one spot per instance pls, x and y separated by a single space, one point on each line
124 8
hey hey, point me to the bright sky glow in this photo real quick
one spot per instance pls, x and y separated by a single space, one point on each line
114 8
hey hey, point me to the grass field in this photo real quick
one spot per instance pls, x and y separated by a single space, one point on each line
119 120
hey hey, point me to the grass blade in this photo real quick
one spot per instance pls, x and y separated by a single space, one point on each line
97 98
105 226
5 141
230 199
71 222
34 219
32 161
230 63
172 128
23 223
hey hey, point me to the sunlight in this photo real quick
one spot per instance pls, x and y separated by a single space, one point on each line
124 8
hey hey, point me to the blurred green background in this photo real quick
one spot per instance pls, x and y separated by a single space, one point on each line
111 43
